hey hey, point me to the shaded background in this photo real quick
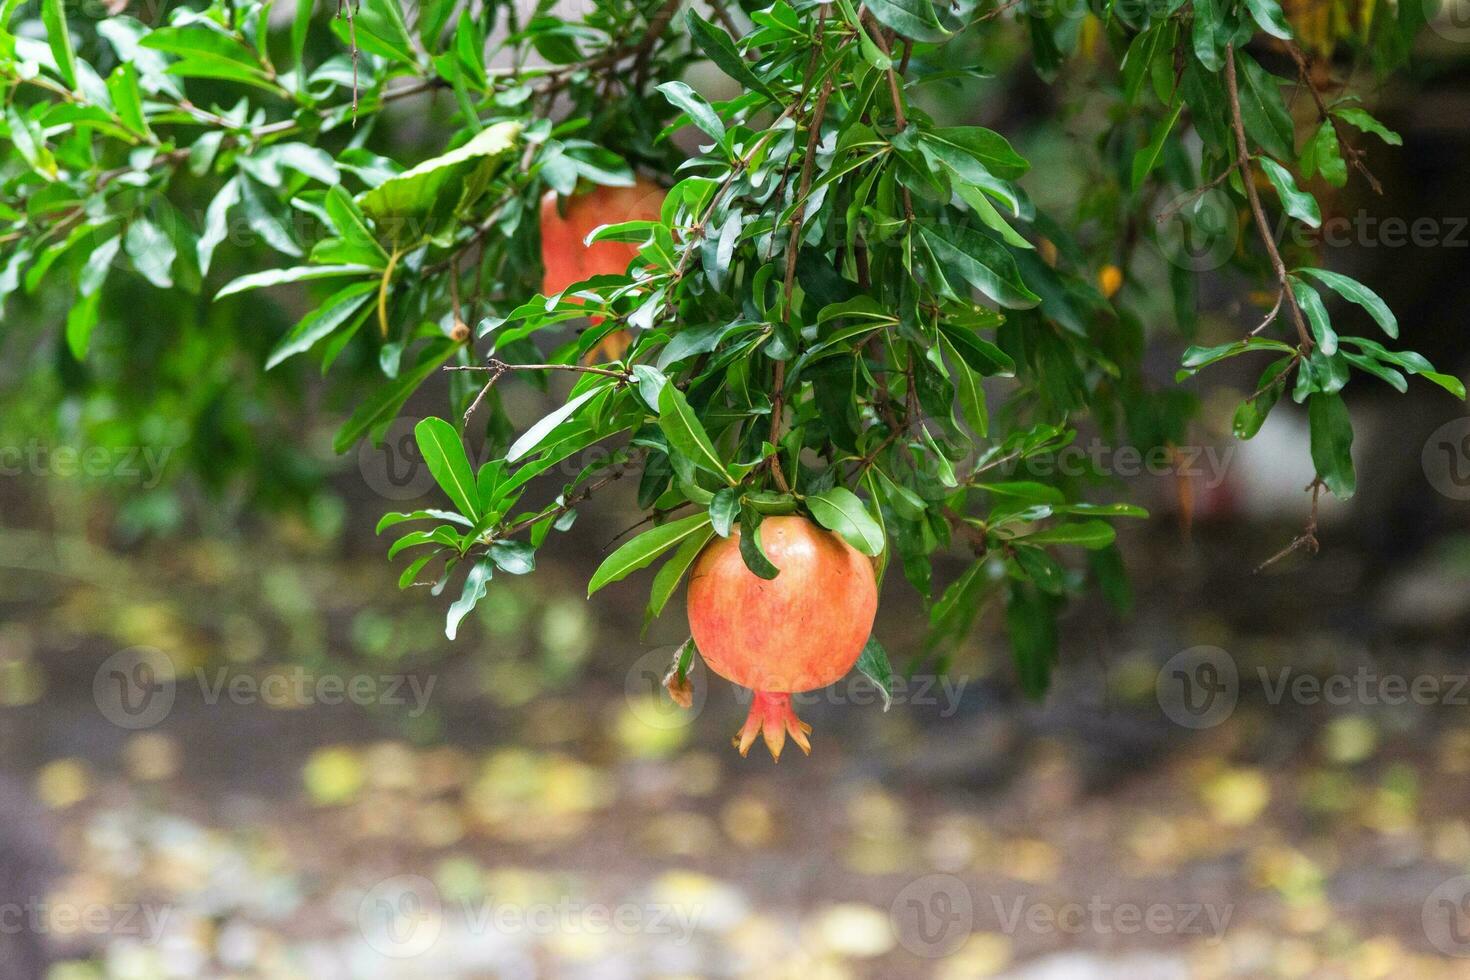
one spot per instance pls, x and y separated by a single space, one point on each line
232 748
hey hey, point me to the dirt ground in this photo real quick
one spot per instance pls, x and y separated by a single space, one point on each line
332 790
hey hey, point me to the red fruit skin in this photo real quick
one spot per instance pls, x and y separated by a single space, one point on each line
800 631
564 229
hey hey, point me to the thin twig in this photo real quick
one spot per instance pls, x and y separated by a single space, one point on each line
1307 539
498 366
1270 317
793 243
1178 205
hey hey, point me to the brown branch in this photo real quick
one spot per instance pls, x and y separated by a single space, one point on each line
722 14
1242 156
565 505
656 27
1178 205
495 365
1270 317
900 117
1307 539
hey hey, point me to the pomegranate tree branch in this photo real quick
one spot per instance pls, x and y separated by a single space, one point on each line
1242 156
499 367
1354 155
793 244
656 27
900 116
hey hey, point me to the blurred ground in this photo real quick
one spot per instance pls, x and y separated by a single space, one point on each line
524 804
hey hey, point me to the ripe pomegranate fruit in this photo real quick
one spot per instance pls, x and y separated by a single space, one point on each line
800 631
565 226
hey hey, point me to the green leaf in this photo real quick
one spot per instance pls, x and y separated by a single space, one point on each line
127 98
513 557
410 206
387 400
686 434
1196 357
1448 382
1147 158
1297 202
1087 534
1041 568
967 387
980 205
53 15
1251 414
719 48
1355 116
1332 443
1206 40
1262 110
82 318
911 18
1378 370
30 142
442 449
1323 155
475 585
874 665
842 511
1267 13
700 112
217 224
985 357
1355 292
152 252
300 273
667 580
723 510
536 434
981 262
1311 304
1031 621
964 148
322 321
752 552
642 550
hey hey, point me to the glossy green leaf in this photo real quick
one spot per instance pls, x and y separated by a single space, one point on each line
842 511
686 433
1355 292
873 664
1297 202
1332 443
442 450
639 552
